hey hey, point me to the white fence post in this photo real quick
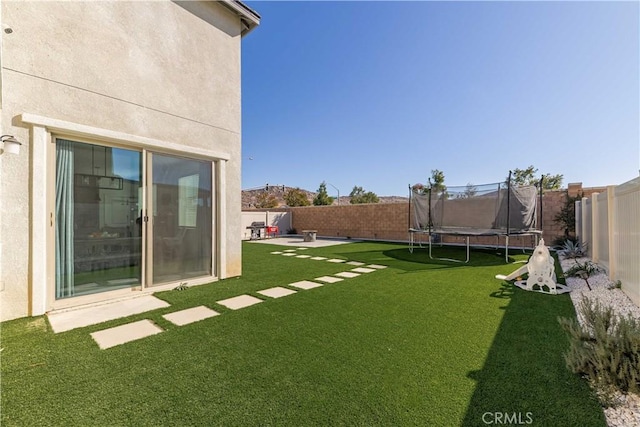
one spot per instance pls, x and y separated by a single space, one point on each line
611 230
584 224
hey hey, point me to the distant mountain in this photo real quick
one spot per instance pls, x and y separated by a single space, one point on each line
250 197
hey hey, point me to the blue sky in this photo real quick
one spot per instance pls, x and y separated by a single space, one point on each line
377 94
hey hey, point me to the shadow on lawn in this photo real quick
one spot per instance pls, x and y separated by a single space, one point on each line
420 260
524 378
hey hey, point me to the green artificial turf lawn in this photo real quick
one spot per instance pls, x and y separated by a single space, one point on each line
421 342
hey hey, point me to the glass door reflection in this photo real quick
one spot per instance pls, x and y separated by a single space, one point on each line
98 231
182 218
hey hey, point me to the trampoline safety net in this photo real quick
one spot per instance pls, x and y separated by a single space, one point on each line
490 209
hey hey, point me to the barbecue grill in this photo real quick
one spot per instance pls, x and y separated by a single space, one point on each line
256 228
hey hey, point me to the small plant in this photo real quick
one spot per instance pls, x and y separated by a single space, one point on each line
573 249
606 348
292 231
615 285
583 270
181 287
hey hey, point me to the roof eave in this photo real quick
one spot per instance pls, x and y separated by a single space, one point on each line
248 17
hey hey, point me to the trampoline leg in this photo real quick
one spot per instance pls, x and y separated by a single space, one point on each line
430 247
506 248
467 237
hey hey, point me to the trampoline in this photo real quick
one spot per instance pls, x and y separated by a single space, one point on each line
499 209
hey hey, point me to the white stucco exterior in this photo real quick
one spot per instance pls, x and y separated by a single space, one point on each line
158 75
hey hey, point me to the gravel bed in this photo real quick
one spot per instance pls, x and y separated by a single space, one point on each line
626 412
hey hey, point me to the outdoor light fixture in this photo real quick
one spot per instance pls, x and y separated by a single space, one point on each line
11 144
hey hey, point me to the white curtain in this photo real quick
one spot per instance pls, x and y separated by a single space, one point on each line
64 219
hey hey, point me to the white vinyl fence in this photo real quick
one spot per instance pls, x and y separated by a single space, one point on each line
280 219
609 223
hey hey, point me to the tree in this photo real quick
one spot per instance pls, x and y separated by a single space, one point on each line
437 181
359 196
528 177
296 197
322 198
266 201
419 188
470 191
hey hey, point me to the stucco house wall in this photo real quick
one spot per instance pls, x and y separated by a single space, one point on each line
158 75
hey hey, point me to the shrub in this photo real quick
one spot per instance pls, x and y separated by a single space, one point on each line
583 271
606 348
573 249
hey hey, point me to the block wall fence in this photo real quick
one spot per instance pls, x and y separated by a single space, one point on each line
390 221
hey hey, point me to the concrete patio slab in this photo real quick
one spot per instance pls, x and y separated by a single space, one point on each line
363 270
347 274
242 301
356 263
336 260
77 318
126 333
305 284
277 292
376 266
318 258
329 279
298 242
190 315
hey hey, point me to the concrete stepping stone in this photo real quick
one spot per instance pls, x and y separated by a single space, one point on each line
276 253
78 318
190 315
289 254
336 260
302 249
289 250
363 270
319 258
112 337
305 284
277 292
347 274
356 263
303 256
376 266
329 279
242 301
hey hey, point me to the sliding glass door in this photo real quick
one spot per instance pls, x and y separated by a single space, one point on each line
98 230
182 226
102 219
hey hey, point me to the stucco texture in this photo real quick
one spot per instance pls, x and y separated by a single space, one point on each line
157 70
